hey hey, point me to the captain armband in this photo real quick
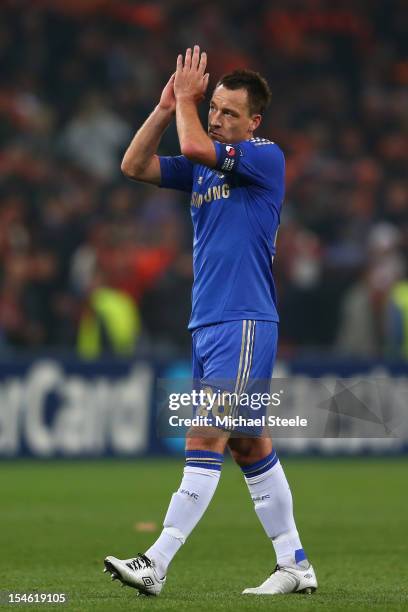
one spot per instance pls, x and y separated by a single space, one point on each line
228 156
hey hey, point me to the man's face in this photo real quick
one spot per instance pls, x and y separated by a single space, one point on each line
229 117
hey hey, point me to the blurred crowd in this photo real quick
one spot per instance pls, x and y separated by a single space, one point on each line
92 262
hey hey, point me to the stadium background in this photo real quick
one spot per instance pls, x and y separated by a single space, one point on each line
95 280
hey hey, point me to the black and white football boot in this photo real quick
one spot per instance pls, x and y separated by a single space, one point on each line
138 573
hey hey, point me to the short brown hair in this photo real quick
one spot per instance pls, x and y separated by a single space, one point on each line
259 94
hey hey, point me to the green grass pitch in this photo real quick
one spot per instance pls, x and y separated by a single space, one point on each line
59 520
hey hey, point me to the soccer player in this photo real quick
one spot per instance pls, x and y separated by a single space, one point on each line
237 186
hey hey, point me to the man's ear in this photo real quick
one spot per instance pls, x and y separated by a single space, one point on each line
255 121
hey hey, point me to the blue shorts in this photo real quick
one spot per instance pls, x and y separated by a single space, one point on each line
236 358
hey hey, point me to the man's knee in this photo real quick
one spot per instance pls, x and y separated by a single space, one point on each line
214 441
246 451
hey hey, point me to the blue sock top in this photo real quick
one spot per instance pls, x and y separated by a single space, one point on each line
265 464
204 459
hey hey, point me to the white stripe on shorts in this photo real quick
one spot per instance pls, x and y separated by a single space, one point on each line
245 360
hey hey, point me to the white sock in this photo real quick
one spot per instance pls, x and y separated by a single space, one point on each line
272 498
187 506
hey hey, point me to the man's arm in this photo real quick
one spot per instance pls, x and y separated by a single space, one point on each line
140 161
189 87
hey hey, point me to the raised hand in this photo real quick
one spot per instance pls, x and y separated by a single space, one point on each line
168 99
191 80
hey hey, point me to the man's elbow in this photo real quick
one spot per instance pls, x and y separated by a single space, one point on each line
129 170
189 150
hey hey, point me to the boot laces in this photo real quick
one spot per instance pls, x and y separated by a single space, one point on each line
139 562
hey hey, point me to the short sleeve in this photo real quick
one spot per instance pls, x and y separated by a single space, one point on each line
176 173
258 160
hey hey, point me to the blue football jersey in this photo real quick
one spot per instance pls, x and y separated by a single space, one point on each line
235 210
